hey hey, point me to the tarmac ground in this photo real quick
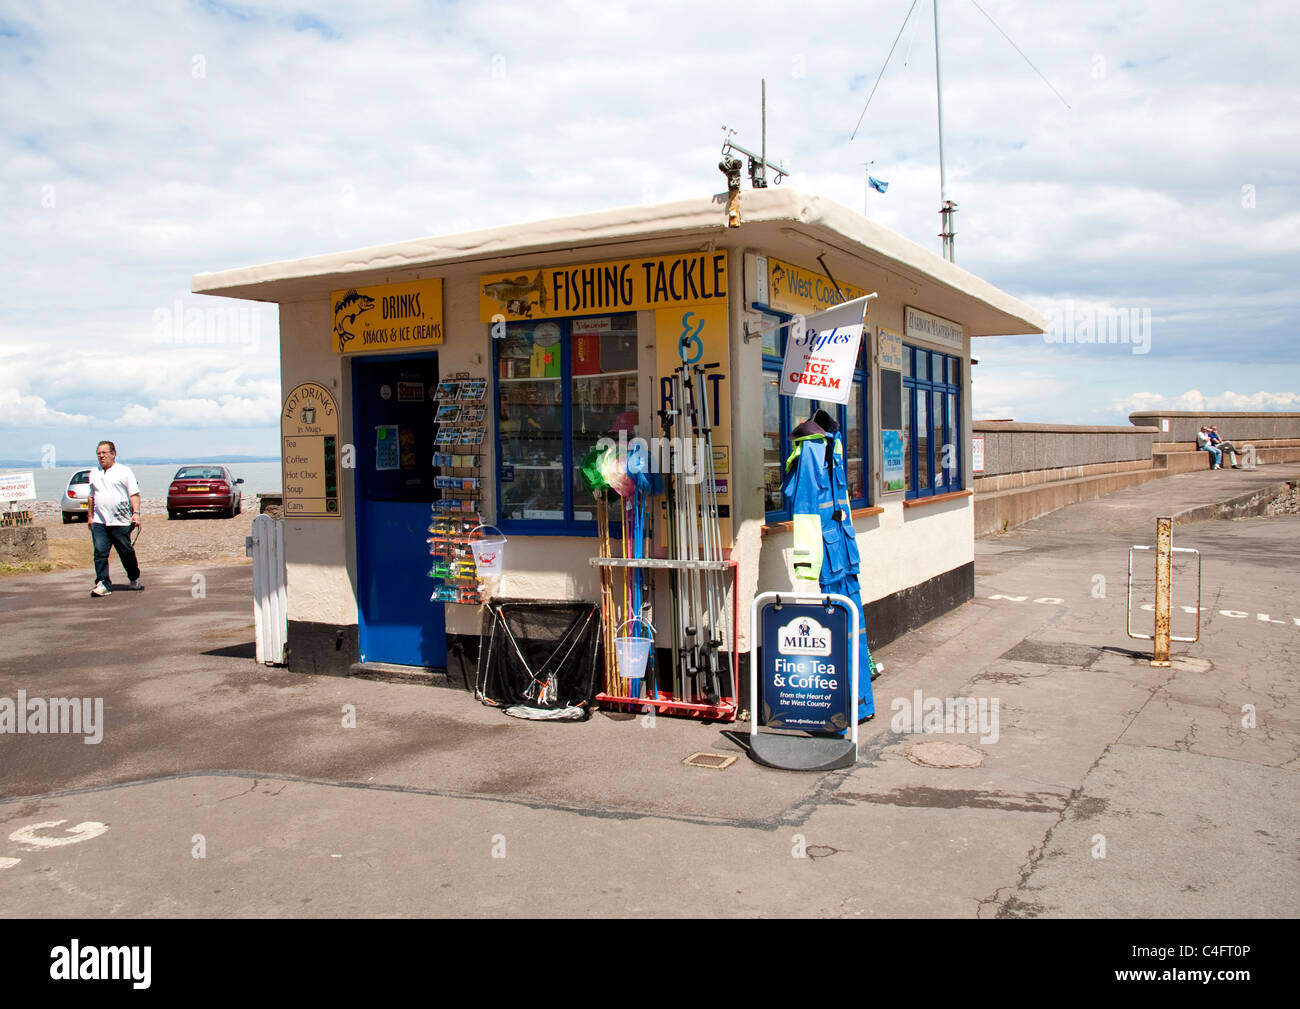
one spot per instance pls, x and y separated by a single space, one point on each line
1092 785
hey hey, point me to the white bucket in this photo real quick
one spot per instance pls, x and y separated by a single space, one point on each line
488 553
632 655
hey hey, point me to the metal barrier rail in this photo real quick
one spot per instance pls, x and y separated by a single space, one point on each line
1172 637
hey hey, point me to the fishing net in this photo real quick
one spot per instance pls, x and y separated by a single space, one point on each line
539 659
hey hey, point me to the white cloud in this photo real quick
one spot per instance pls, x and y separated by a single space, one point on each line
1195 401
224 411
20 410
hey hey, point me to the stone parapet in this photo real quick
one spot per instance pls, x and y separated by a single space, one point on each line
1236 427
1011 447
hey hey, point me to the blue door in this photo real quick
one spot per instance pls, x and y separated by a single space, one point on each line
393 417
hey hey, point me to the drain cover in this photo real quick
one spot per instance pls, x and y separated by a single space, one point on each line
1053 653
938 754
717 761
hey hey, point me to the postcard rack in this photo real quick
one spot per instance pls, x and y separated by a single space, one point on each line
460 423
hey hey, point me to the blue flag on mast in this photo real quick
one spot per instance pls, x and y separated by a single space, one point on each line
877 185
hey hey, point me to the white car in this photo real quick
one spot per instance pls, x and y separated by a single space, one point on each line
76 499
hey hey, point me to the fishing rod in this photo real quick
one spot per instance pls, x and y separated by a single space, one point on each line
666 418
712 538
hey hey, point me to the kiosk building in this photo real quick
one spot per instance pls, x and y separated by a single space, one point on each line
478 370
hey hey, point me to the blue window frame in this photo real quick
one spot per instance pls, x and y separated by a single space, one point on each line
560 386
932 437
783 413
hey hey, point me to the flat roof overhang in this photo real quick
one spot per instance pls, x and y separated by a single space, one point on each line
779 222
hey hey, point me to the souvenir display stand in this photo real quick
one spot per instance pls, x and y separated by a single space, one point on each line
460 423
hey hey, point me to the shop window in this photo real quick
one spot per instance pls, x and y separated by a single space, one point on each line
932 429
781 414
773 455
562 384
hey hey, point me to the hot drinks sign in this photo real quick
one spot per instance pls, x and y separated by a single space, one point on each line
805 671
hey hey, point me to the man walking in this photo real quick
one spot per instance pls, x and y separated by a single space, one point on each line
114 510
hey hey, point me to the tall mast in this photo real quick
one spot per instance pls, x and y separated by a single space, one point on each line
946 206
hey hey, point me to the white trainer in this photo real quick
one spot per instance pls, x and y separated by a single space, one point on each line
100 589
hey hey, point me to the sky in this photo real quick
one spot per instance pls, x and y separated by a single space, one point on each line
145 143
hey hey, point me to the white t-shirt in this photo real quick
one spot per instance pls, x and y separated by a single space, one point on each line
112 489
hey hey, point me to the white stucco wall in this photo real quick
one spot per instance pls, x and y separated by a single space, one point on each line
319 584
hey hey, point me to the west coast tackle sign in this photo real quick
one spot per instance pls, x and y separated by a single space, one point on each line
789 288
688 278
388 317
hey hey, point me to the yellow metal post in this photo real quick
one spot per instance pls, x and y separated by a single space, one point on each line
1164 575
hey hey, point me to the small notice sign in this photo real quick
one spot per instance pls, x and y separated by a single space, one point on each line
17 486
891 443
977 453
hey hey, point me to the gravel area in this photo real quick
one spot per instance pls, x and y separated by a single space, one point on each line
203 538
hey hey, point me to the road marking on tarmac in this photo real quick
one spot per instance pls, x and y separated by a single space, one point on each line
1150 608
81 832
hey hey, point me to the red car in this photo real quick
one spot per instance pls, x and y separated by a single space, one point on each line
204 488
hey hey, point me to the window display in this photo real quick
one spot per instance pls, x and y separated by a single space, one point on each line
561 386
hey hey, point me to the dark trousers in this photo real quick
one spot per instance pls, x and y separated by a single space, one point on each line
120 538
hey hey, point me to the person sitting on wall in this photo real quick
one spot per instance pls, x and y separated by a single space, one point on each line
1224 446
1204 444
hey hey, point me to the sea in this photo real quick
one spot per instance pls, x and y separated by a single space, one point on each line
259 477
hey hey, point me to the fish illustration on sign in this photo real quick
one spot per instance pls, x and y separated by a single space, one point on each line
346 311
778 275
516 295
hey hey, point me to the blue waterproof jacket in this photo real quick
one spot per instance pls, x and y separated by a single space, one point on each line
825 547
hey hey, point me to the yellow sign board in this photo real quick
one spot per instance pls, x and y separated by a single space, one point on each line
688 278
798 291
704 328
309 430
388 317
